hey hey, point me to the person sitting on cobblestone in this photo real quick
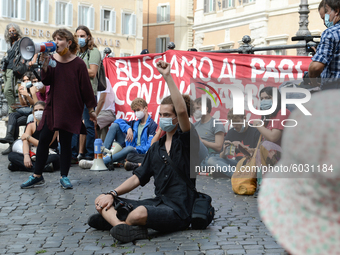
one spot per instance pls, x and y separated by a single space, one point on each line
171 209
20 158
241 134
133 136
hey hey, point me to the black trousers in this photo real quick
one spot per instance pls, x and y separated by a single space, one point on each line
16 119
135 157
17 159
65 139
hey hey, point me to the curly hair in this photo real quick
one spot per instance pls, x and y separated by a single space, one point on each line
138 102
188 102
90 43
64 33
16 27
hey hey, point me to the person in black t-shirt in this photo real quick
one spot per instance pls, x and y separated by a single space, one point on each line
242 134
171 208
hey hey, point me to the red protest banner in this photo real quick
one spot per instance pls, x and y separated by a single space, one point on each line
137 76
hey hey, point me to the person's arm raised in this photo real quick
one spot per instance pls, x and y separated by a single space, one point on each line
176 96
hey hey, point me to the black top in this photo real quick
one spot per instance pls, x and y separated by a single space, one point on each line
36 135
11 54
248 138
170 188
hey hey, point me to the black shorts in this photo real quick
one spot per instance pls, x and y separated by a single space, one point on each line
161 217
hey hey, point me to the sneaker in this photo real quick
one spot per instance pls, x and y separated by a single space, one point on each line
86 164
97 221
74 161
129 166
32 182
126 233
65 182
110 166
81 156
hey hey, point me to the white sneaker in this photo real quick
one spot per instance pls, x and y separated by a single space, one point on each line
86 164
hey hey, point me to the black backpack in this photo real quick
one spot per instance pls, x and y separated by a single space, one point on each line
19 64
101 77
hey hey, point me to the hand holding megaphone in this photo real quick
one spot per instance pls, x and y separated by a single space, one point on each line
46 58
28 49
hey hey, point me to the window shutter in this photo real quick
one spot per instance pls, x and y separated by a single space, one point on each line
214 5
168 13
4 8
102 19
224 4
123 23
158 45
113 21
133 24
122 54
80 15
159 14
167 40
22 9
45 11
3 45
57 13
91 18
206 6
69 15
32 10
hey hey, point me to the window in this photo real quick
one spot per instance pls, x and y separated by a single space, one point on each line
39 10
125 54
248 1
162 44
13 9
3 45
128 24
163 13
209 6
86 16
108 21
64 14
228 4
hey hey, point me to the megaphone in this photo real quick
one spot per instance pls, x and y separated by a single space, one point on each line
98 163
28 48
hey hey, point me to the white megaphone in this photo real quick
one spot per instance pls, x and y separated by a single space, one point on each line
28 49
98 163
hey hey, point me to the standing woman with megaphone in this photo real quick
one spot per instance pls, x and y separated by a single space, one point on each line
90 54
70 89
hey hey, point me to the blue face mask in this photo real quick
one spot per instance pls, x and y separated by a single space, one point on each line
166 124
327 22
266 104
81 42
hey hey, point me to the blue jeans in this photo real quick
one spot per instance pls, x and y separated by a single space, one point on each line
203 152
225 166
90 137
119 155
114 133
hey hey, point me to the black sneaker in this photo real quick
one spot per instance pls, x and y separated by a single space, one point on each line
129 166
97 221
126 233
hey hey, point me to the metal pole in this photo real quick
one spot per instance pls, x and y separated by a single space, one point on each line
303 25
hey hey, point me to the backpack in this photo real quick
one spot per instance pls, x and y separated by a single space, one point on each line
101 76
19 64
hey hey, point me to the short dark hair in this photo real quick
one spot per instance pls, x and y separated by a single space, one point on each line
199 102
334 4
64 33
188 102
269 91
321 5
41 103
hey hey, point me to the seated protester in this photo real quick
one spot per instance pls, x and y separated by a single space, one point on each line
21 159
240 135
18 118
171 209
211 135
269 151
135 135
134 160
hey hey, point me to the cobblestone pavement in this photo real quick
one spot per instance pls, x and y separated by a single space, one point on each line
50 220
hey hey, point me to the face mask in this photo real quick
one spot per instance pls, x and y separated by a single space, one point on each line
266 104
64 51
14 36
38 114
39 85
166 124
327 22
81 42
140 115
198 114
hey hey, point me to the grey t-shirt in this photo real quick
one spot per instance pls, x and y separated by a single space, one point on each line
140 129
208 130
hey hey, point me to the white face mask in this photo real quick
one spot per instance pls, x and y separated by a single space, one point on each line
38 114
140 115
197 114
39 85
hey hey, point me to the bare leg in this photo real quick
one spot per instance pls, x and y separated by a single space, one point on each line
137 217
82 141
